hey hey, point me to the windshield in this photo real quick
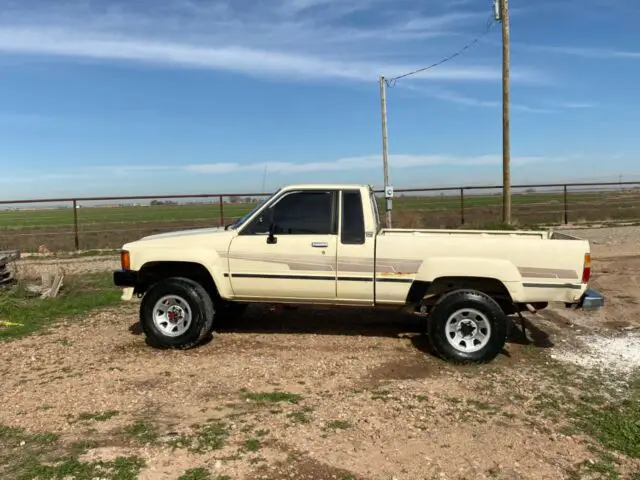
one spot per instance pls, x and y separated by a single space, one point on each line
241 221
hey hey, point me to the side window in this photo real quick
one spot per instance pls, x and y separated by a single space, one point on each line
352 228
299 213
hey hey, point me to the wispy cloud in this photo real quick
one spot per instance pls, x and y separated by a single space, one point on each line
578 105
366 162
449 95
585 52
294 39
354 164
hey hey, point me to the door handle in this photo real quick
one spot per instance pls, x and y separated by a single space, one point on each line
319 244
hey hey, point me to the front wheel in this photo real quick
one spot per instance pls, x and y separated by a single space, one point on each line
176 313
467 326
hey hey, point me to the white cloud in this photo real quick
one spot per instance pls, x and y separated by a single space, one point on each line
469 101
578 105
586 52
366 162
293 39
232 58
354 164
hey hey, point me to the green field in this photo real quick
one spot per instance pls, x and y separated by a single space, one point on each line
211 212
110 226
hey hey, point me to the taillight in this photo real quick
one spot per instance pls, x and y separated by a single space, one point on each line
125 260
586 269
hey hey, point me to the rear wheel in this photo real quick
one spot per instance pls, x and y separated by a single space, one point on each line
176 313
467 326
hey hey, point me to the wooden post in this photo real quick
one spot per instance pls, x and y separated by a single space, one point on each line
506 155
462 206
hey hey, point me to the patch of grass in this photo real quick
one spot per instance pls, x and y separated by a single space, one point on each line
485 406
205 438
381 395
299 417
273 397
302 415
339 425
122 468
82 446
22 315
616 426
196 474
98 416
143 431
252 445
29 456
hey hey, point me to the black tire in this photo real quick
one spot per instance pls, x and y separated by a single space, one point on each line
198 301
463 302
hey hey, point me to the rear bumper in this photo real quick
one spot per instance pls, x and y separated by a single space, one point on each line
591 300
125 278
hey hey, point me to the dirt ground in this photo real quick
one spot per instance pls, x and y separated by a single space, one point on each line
323 394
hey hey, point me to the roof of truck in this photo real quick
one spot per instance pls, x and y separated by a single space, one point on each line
342 186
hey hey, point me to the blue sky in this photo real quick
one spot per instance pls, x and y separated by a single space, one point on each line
186 96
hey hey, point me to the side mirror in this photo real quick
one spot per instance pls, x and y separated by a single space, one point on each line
270 219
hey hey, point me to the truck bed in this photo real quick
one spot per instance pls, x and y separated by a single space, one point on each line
458 233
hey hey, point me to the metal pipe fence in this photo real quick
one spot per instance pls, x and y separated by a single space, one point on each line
87 223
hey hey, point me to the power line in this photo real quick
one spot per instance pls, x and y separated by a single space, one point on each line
392 81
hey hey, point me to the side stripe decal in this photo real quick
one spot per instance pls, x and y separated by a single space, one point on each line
552 285
318 277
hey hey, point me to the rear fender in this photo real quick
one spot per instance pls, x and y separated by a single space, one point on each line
498 269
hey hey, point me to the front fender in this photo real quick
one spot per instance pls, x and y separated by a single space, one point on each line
207 258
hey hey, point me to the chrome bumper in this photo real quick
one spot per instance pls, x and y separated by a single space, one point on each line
591 300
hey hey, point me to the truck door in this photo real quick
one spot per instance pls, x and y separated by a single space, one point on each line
356 247
298 260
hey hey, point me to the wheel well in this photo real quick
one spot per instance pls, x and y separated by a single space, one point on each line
153 272
426 294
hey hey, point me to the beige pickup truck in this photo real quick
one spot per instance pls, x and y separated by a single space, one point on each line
323 244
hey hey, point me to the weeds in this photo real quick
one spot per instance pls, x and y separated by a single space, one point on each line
211 436
143 431
196 474
22 314
273 397
28 456
98 417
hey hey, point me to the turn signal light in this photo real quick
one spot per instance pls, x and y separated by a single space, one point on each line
586 269
125 260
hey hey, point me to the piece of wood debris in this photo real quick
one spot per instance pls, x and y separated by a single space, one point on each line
56 285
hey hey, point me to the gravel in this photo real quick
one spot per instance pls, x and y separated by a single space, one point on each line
410 416
619 355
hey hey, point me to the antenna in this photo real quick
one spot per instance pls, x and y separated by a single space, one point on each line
264 178
496 9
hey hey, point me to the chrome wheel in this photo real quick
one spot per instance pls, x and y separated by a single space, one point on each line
468 330
172 315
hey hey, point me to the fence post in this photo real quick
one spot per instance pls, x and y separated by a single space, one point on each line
221 211
75 224
566 206
462 206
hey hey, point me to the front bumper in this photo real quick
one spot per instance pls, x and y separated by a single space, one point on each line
591 300
125 278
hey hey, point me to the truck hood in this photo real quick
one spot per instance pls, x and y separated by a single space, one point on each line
194 232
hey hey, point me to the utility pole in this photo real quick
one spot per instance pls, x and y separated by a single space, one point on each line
506 154
385 148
